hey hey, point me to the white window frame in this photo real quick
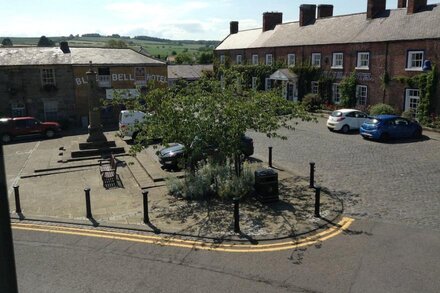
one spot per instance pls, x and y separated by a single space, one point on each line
222 59
316 59
18 109
314 87
336 95
239 59
50 107
48 76
254 82
362 62
291 60
411 64
255 59
269 59
361 94
267 84
338 60
412 99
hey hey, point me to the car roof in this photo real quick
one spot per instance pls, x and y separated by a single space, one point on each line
385 117
346 110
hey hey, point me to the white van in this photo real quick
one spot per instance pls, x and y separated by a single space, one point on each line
127 121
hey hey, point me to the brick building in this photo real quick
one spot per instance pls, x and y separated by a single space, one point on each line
51 83
396 42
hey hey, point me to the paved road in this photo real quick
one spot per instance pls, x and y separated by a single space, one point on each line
371 257
395 182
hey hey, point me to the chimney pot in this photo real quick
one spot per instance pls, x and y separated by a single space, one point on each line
64 46
325 10
271 20
307 14
375 8
233 27
415 6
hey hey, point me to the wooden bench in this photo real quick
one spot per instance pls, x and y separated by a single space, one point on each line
108 169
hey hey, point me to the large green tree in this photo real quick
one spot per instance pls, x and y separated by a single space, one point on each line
205 113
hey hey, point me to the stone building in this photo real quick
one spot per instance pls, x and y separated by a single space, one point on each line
51 83
400 42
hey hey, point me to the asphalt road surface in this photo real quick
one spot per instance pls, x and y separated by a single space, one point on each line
370 257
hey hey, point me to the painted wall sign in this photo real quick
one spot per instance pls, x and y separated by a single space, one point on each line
118 77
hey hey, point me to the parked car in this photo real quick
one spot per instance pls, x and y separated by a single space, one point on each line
170 156
26 126
345 120
128 120
385 127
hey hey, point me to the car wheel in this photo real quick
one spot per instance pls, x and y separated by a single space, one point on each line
6 138
345 129
50 133
384 137
417 133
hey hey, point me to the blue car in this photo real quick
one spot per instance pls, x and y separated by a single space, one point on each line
385 127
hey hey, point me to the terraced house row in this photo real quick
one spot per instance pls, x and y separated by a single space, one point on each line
402 42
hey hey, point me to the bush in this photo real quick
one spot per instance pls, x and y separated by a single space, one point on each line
312 102
409 114
214 180
379 109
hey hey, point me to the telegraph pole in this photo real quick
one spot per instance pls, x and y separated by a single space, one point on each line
8 275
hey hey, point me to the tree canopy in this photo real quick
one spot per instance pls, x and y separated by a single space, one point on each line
6 42
45 42
207 113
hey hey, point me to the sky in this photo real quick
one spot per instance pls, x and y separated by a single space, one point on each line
171 19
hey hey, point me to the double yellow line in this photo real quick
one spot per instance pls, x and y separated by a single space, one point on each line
189 244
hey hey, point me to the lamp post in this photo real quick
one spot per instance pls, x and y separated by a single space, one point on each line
96 134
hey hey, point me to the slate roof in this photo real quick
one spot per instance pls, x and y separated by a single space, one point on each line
187 71
393 25
78 56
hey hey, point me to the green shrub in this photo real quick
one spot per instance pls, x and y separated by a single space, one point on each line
312 102
409 114
214 180
379 109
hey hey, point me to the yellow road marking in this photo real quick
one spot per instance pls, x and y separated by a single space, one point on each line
181 243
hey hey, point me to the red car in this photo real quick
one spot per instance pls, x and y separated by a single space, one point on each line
23 126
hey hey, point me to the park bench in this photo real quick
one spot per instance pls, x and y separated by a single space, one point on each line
108 169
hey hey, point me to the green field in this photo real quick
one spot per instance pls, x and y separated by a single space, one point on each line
162 48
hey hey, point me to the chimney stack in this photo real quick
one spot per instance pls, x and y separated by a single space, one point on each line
325 10
271 20
233 27
375 7
64 46
415 6
401 3
307 14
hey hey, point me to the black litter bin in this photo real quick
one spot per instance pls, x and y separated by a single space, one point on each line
266 185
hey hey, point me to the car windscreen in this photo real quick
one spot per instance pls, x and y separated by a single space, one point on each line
336 114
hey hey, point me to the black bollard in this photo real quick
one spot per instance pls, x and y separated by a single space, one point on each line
270 156
88 206
312 174
236 215
17 199
145 197
317 201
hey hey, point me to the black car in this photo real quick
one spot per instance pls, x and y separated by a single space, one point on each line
170 156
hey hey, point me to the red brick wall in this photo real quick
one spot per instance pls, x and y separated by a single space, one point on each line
390 57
